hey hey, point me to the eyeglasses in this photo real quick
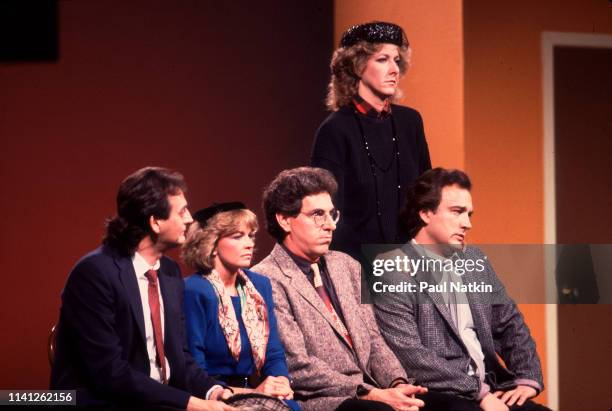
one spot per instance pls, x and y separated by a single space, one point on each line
320 217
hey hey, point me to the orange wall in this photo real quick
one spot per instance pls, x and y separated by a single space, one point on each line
434 83
476 78
504 116
503 107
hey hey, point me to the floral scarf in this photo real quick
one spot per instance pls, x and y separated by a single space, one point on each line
254 315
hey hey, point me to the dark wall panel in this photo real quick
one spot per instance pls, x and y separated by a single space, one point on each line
229 93
584 198
28 30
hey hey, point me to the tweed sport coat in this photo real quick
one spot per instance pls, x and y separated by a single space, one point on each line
324 369
425 339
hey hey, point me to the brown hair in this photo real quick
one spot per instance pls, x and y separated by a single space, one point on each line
141 195
347 65
285 193
426 193
201 242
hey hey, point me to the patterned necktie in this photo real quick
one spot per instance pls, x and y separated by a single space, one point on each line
318 285
156 319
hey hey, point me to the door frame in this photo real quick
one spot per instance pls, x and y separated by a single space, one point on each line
549 41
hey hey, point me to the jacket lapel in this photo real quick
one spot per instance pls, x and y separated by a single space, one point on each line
477 308
302 285
349 306
424 276
169 302
128 278
172 312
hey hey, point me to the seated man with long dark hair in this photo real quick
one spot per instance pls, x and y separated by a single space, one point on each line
120 337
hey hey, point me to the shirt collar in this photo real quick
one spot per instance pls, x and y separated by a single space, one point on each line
427 251
303 264
367 109
141 266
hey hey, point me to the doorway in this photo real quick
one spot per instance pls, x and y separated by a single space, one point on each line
578 187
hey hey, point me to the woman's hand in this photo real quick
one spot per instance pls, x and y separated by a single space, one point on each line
278 387
221 394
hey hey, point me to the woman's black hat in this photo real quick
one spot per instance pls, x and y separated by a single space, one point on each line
205 214
374 32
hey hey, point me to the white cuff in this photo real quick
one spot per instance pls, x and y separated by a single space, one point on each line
209 392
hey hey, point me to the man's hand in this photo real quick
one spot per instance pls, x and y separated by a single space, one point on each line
276 387
518 395
491 402
401 398
412 390
197 404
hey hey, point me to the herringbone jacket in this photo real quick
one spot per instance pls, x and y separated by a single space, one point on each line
425 339
325 371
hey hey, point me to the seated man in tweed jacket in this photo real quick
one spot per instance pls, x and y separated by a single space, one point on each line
336 356
449 338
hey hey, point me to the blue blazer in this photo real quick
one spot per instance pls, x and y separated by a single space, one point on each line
100 346
207 342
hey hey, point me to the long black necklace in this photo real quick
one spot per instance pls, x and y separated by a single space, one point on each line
374 166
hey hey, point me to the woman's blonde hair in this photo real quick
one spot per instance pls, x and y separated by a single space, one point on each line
347 65
201 243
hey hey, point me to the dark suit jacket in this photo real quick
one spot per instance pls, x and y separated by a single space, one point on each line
422 334
101 350
325 370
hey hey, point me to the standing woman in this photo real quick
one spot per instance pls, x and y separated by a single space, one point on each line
374 148
229 312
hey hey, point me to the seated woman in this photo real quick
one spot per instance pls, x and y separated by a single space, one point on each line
229 312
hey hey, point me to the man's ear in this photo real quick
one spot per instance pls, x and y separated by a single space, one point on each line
154 224
425 216
283 221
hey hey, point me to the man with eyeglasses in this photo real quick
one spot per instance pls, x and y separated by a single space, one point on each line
335 353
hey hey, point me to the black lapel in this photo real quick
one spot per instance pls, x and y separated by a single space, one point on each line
129 281
167 286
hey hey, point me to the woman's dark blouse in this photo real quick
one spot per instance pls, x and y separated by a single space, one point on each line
339 148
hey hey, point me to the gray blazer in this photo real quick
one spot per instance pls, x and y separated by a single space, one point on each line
424 337
324 369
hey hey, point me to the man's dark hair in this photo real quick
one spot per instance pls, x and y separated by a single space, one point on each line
141 195
285 193
425 194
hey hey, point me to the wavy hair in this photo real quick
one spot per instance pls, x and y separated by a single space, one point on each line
425 193
347 65
141 195
201 242
285 193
